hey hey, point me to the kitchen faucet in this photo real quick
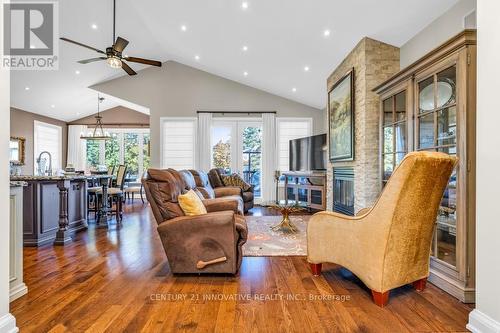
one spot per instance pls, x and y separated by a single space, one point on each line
39 159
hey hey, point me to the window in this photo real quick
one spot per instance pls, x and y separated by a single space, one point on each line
48 137
289 129
178 140
128 146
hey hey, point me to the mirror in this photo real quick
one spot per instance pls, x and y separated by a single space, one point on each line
17 151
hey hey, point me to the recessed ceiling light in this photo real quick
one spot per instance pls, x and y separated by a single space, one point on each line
326 33
53 106
244 5
294 89
26 88
78 113
245 73
306 68
32 47
197 57
93 26
77 72
245 48
183 28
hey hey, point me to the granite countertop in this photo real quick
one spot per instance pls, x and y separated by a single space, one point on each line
34 178
18 183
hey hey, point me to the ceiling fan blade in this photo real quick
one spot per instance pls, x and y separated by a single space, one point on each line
83 45
86 61
127 69
144 61
120 44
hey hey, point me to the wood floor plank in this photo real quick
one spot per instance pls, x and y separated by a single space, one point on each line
118 280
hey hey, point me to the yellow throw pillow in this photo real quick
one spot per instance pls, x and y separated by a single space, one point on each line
191 204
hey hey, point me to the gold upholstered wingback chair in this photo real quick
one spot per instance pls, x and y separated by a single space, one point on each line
388 245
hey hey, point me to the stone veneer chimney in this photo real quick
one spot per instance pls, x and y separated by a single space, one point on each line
373 63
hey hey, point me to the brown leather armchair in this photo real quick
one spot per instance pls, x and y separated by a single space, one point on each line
209 243
388 245
215 180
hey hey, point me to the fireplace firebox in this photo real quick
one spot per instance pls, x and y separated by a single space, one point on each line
343 190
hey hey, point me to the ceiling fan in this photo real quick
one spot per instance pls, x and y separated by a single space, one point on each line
113 54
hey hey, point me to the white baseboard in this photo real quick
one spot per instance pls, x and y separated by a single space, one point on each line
18 291
481 323
8 324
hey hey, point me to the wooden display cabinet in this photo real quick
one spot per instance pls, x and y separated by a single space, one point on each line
430 106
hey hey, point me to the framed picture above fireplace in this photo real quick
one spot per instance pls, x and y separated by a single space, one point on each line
341 118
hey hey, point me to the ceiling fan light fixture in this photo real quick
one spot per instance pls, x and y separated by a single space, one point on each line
114 62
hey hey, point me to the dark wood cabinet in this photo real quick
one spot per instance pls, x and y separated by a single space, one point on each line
41 210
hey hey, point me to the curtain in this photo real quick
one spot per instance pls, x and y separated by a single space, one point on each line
204 139
77 148
269 156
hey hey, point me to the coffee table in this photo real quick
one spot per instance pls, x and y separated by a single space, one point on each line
286 209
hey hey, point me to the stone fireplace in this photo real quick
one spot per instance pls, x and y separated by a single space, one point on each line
373 63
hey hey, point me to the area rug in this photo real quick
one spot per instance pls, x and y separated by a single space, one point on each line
264 242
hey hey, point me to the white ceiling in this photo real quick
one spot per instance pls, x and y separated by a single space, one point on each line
282 38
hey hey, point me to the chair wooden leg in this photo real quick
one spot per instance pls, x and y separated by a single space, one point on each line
380 299
419 285
316 269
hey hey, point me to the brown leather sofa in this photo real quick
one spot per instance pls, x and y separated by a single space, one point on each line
209 243
215 180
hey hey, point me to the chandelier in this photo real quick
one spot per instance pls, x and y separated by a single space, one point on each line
98 133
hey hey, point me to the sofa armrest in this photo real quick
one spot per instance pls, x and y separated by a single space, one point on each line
227 191
190 239
221 204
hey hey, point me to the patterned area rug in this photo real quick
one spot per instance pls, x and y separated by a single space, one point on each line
264 242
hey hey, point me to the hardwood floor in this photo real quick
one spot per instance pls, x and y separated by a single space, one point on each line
119 281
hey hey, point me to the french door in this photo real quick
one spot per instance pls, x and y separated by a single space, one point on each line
237 147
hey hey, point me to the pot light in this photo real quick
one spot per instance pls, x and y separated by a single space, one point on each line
294 89
245 73
244 48
32 47
53 106
26 88
306 68
244 5
77 72
196 57
326 33
93 26
183 28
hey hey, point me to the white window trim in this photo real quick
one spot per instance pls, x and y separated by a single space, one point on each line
37 123
195 141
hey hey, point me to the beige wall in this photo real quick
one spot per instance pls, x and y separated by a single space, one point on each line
436 33
119 116
373 63
22 124
177 90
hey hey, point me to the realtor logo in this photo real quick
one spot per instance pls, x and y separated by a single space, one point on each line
31 34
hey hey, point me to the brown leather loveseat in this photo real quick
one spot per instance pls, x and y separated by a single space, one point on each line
209 243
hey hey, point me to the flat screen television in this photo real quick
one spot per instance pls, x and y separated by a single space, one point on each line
308 154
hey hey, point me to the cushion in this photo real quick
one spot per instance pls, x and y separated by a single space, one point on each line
247 196
191 204
188 179
214 176
235 180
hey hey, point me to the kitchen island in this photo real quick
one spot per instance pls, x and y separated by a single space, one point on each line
54 208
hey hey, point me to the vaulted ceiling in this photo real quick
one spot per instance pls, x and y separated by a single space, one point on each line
287 48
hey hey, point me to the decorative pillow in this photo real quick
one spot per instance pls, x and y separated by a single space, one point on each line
191 204
235 180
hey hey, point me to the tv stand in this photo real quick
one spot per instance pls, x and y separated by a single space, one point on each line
308 187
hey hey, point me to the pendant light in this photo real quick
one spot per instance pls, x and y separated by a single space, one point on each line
98 133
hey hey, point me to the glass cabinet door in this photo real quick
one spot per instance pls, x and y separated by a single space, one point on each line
436 125
394 133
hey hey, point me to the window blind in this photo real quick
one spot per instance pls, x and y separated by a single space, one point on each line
289 129
48 137
178 143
